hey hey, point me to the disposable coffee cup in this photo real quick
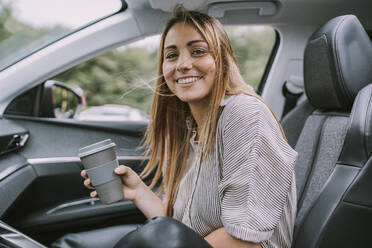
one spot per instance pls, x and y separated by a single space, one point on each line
99 160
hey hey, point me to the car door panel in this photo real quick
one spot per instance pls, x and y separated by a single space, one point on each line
50 138
53 201
13 182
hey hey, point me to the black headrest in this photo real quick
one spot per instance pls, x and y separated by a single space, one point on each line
337 63
358 141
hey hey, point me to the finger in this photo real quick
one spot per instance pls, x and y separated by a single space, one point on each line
83 173
88 184
120 170
93 194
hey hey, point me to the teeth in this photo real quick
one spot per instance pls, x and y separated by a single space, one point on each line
187 80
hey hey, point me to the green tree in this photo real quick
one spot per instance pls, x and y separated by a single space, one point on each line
5 14
252 47
121 76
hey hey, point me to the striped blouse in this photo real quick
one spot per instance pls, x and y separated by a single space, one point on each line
247 185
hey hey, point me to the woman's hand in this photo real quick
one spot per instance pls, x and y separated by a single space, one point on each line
131 182
134 189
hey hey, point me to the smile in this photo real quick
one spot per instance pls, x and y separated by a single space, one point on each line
187 80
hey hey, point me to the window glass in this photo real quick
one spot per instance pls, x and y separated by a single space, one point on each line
26 26
252 46
118 85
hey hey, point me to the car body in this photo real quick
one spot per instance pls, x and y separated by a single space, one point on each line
41 190
112 112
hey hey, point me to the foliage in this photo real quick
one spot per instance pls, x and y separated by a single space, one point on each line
252 47
5 14
117 77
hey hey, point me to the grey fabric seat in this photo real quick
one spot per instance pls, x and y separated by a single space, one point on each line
337 65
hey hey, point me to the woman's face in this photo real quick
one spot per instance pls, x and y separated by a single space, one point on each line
189 68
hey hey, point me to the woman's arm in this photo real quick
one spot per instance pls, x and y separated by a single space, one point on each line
136 190
148 202
220 238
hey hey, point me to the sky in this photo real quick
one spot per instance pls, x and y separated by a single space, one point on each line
69 13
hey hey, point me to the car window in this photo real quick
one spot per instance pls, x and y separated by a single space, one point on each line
27 26
117 85
120 83
252 46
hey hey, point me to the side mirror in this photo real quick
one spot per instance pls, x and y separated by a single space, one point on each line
61 101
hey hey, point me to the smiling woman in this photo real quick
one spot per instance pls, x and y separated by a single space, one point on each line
189 68
212 137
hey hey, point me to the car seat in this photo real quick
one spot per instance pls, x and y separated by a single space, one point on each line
332 175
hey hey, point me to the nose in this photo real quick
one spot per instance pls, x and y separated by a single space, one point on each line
184 62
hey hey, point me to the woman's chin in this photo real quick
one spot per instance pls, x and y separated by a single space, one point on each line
193 100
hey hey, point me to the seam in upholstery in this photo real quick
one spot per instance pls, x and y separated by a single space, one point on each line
337 57
366 125
333 113
355 204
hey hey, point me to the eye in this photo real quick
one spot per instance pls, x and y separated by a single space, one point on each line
170 56
198 52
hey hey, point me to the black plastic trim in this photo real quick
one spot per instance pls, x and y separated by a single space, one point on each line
11 237
269 63
14 185
322 210
77 212
11 163
131 128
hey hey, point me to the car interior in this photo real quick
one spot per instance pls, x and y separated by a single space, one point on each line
318 81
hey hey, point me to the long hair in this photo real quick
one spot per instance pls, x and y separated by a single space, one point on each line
167 136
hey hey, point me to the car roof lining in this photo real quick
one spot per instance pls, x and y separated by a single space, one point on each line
305 12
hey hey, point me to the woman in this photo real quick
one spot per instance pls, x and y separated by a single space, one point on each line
227 170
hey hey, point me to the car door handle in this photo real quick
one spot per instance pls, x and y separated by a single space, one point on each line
90 201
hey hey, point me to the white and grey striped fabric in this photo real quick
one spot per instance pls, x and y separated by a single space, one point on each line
248 184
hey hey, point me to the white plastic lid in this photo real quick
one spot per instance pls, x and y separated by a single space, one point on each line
96 147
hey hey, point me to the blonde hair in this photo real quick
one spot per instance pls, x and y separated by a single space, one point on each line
167 136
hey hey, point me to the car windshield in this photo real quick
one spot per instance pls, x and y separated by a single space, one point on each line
26 26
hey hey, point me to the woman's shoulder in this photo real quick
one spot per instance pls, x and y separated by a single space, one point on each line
249 113
243 105
232 100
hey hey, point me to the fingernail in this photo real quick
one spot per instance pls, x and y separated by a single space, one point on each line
117 169
92 194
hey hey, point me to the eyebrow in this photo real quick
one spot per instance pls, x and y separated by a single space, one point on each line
188 44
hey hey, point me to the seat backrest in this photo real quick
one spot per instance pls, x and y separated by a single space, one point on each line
341 216
336 66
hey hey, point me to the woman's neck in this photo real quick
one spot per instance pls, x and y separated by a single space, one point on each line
199 112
